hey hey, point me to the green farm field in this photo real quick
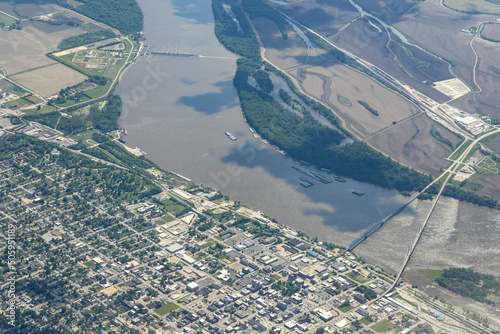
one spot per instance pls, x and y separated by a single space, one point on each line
474 6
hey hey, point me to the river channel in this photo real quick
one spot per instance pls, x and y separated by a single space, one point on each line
177 109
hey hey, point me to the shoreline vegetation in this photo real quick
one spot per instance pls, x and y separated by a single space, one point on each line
297 133
124 15
466 282
302 138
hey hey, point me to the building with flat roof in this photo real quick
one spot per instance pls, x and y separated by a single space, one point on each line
173 248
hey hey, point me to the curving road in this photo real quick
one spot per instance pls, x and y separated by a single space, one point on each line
475 64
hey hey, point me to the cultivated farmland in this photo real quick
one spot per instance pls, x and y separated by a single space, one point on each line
411 143
49 80
325 82
488 73
285 53
341 87
491 32
27 10
491 185
6 19
438 29
387 9
27 48
327 17
369 40
473 6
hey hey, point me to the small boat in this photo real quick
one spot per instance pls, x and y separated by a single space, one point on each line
256 135
265 141
231 136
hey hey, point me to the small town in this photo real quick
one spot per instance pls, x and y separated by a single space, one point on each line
109 248
391 112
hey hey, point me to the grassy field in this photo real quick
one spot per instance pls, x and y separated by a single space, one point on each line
462 149
98 91
6 19
431 273
166 309
346 308
43 110
33 99
385 326
172 207
488 166
90 264
83 136
167 218
494 298
473 6
490 138
16 104
396 295
74 3
357 277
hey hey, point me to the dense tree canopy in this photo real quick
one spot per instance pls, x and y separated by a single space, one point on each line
124 15
468 283
106 119
301 136
304 138
83 39
233 30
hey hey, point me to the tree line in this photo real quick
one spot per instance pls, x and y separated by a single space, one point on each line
124 15
304 138
238 38
464 195
368 107
84 39
471 284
